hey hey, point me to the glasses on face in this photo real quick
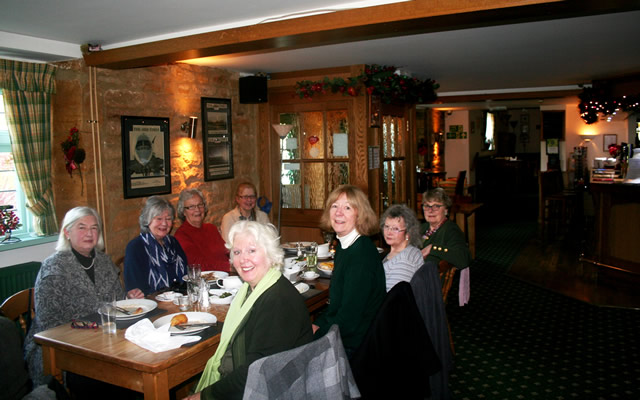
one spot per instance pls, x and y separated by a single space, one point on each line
193 207
77 324
433 207
249 197
393 229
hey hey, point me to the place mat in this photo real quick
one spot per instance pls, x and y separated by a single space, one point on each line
124 323
206 334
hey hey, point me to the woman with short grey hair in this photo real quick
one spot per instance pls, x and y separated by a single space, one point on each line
72 281
400 229
154 260
185 196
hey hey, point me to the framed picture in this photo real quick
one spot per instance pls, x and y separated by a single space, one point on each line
217 144
553 146
607 140
146 161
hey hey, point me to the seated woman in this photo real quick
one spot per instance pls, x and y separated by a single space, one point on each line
358 283
442 238
200 241
245 209
401 231
267 316
154 260
72 281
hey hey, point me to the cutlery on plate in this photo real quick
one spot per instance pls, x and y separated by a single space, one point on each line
185 326
124 311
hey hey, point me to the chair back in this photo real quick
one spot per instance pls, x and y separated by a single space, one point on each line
459 191
20 308
446 272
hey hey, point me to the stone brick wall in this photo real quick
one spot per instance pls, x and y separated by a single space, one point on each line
172 91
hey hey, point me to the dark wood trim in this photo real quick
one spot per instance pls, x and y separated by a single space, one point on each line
393 20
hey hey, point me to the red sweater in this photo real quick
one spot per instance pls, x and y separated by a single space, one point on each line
203 246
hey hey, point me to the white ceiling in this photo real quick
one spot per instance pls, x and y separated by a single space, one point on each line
504 58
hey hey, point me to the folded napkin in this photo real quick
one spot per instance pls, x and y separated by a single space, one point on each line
145 335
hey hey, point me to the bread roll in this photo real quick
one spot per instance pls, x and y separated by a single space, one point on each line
179 319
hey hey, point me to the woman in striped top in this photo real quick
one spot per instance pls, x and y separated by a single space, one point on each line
401 232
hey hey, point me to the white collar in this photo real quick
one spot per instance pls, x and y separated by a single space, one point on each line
348 239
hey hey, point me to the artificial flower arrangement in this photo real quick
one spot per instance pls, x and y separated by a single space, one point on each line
378 80
8 221
73 155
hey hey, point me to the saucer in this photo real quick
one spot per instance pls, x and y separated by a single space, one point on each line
315 276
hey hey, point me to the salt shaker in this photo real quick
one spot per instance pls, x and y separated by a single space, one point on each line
204 294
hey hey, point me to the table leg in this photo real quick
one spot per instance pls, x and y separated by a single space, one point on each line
156 386
49 364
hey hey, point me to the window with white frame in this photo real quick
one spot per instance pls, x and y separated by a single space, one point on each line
11 193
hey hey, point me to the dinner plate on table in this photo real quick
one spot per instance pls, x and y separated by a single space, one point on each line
302 287
209 276
325 268
194 317
215 294
133 305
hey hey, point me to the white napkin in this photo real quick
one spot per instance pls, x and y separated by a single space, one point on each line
145 335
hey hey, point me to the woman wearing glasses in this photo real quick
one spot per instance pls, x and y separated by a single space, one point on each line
442 238
200 241
401 231
245 209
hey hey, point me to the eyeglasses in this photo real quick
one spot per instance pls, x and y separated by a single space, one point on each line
393 229
77 324
250 197
434 207
193 207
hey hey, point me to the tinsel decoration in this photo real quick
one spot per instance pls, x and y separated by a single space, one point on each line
600 101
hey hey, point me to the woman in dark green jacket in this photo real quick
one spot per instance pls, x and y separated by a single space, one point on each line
442 238
358 282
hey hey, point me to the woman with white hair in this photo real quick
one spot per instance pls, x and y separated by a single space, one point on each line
267 316
154 260
72 281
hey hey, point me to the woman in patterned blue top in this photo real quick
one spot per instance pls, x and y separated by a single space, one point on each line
154 260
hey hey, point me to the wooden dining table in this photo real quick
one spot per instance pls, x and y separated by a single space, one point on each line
115 360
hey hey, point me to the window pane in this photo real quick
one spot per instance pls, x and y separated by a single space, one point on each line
311 126
314 186
291 185
338 134
338 175
290 144
393 178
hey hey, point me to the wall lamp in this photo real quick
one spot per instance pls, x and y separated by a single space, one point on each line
190 127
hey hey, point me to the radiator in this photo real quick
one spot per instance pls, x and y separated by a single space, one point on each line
17 277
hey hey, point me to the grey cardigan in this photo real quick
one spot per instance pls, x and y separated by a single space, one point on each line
63 291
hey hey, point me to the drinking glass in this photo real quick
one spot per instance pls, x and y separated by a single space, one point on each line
193 291
107 313
311 254
194 273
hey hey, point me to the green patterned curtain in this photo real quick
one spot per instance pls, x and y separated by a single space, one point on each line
27 90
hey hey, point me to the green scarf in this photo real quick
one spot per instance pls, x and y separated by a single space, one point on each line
238 310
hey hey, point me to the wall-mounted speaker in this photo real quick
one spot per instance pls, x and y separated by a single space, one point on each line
253 89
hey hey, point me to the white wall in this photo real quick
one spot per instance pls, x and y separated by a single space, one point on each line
26 254
456 151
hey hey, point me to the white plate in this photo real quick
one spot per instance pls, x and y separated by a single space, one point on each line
134 304
215 296
167 296
325 258
302 287
211 276
294 245
193 317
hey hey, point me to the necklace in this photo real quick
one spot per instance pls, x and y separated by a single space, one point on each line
90 266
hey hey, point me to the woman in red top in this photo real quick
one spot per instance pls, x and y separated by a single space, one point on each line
200 241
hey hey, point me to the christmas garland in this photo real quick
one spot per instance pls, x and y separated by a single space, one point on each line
378 80
594 101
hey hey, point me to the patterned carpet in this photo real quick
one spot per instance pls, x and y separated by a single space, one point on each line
518 341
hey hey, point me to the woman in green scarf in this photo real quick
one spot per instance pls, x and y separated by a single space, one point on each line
267 316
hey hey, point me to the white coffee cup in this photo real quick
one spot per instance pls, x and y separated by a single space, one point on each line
323 250
229 283
309 275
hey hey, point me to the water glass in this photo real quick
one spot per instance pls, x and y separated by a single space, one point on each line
193 290
183 303
195 272
311 254
107 313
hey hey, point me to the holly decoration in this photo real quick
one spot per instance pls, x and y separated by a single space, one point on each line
378 80
73 154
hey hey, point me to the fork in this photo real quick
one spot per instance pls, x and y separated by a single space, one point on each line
185 326
124 311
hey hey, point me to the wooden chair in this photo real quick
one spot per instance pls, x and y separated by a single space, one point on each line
556 203
447 271
20 307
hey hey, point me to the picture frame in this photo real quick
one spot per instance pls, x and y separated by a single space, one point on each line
607 140
217 138
146 160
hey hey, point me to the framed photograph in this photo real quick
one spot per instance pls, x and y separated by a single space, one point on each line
217 144
553 146
146 161
607 140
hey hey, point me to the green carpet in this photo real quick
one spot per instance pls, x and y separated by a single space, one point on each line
518 341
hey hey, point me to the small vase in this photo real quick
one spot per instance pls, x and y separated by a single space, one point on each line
8 239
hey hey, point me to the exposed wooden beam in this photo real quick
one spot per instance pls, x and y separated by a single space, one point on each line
400 19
